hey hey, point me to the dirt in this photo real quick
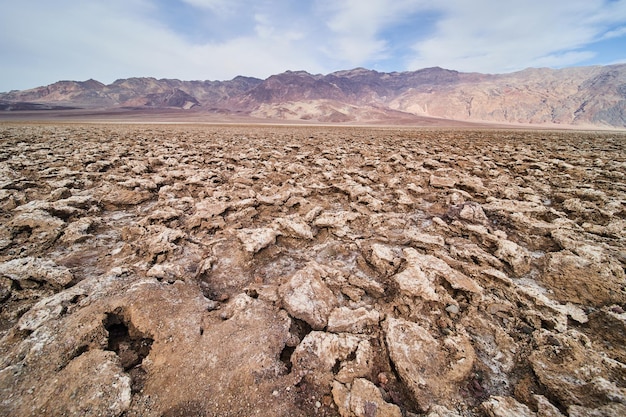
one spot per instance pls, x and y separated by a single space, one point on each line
215 270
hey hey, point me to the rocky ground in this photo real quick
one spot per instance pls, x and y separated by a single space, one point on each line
178 270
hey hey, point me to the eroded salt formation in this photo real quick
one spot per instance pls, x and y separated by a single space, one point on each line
233 271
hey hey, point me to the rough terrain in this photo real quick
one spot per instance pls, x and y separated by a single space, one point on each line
180 270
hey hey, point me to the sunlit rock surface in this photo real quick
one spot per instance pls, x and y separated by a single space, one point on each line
179 270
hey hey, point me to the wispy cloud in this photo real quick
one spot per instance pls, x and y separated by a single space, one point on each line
355 27
114 39
615 33
216 5
488 36
230 9
43 41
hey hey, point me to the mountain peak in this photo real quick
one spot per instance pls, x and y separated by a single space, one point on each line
590 96
353 72
297 72
92 84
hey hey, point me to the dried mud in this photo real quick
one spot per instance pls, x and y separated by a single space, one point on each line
179 270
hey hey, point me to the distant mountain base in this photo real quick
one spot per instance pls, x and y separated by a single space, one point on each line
585 97
24 106
201 116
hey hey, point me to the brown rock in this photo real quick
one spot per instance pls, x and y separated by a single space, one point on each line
294 226
338 221
207 213
306 297
78 231
5 237
383 257
473 212
582 281
370 285
514 255
363 400
436 268
345 319
36 269
431 369
608 410
443 178
115 197
441 411
320 352
413 281
163 240
254 240
506 407
424 240
545 407
95 377
46 228
562 355
6 287
167 272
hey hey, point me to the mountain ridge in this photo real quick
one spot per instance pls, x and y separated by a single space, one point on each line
589 96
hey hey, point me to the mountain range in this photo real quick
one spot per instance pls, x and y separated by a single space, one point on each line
580 96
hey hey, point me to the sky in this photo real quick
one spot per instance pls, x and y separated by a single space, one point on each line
44 41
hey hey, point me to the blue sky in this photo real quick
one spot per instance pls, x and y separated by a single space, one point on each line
43 41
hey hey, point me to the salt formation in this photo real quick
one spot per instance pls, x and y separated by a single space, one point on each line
311 271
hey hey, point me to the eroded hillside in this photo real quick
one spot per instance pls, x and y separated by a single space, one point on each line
233 271
577 96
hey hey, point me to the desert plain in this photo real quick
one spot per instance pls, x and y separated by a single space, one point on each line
232 270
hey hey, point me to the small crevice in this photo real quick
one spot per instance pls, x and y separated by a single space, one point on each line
298 331
82 349
285 357
397 392
130 345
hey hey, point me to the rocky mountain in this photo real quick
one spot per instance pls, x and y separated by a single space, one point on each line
578 96
134 92
584 96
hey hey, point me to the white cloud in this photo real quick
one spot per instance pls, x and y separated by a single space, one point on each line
615 33
220 7
500 36
117 39
356 24
209 4
42 41
266 28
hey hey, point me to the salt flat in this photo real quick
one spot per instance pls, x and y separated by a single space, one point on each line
215 270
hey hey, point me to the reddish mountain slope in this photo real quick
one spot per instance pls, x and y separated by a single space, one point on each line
585 96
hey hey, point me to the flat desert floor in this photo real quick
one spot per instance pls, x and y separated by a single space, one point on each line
207 270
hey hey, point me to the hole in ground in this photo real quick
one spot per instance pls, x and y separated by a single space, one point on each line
298 330
130 345
285 357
